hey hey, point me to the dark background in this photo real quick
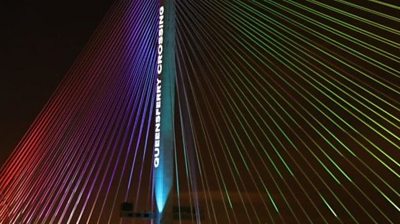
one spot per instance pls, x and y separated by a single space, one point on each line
39 41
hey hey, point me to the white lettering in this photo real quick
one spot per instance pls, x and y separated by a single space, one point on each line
157 134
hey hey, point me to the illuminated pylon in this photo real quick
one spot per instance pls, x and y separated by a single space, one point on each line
164 116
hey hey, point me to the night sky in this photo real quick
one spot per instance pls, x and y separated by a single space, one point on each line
39 42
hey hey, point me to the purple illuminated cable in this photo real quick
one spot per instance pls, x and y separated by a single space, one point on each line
143 157
102 183
128 146
97 133
93 185
147 100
